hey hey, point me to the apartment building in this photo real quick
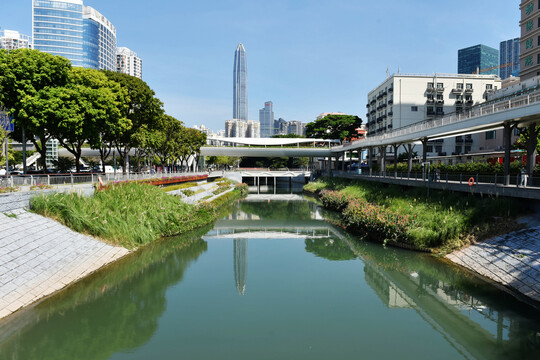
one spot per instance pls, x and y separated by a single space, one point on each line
11 40
403 100
127 62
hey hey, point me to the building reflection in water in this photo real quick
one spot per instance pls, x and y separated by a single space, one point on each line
240 264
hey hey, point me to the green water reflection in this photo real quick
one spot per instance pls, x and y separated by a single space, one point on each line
275 280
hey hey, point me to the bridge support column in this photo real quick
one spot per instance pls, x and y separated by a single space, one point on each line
507 140
370 160
409 149
424 149
396 147
382 149
531 149
343 161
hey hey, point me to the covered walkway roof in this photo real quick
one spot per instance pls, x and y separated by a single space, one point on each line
272 141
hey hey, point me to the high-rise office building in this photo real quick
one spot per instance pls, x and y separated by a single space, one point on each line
266 119
509 58
281 127
297 128
529 45
77 32
99 41
128 62
480 59
240 84
11 40
57 28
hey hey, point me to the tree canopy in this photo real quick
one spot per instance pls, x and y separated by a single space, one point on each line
334 127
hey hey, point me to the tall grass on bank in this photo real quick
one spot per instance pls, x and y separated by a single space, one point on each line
126 214
442 220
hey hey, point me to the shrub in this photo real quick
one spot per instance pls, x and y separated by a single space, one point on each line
334 200
188 192
375 222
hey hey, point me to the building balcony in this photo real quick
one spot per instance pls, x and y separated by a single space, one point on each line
440 89
391 113
384 93
440 102
457 91
430 113
367 105
383 105
430 101
391 90
379 97
469 102
469 140
430 90
373 112
459 102
390 127
469 91
383 117
459 139
379 120
373 102
390 102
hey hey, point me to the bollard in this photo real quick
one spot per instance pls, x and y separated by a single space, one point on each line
48 179
31 180
71 176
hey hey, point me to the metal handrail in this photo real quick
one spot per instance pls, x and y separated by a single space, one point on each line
475 111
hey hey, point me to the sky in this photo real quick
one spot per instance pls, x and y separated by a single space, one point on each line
306 56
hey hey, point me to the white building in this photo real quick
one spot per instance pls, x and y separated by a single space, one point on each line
239 129
128 62
403 100
11 40
253 129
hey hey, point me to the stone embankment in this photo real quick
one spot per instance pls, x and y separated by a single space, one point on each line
512 260
39 256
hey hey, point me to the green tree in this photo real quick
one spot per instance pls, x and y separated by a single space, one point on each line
169 134
143 109
196 140
334 127
23 74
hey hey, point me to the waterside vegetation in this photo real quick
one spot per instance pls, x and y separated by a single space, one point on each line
406 217
130 214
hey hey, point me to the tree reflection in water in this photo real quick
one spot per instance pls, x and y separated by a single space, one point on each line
115 310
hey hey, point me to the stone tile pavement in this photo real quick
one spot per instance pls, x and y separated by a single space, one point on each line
39 256
512 260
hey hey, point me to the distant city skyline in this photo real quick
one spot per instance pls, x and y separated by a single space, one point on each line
308 57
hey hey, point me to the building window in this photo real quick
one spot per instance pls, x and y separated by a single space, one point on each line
538 59
467 149
438 149
468 86
460 85
528 61
529 43
440 97
430 85
440 111
530 8
429 148
414 108
440 86
489 86
458 150
490 135
430 110
539 41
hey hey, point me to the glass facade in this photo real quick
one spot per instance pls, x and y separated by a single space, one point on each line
509 58
240 79
480 58
99 41
266 119
58 28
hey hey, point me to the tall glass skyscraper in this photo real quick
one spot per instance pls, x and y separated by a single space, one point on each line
509 58
240 83
57 28
478 58
99 41
266 119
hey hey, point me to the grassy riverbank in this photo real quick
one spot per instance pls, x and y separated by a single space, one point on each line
131 214
442 222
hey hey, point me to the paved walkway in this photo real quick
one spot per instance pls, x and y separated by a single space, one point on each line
39 256
512 260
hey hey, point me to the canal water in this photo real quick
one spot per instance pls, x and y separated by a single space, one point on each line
274 279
